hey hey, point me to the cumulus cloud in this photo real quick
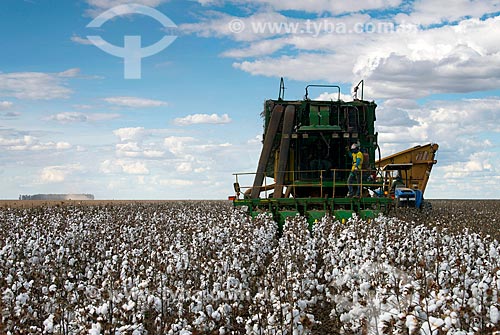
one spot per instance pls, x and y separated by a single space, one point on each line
132 144
97 7
58 174
465 130
30 143
131 134
36 85
202 119
74 117
175 182
134 102
427 12
177 144
125 166
318 6
394 60
184 167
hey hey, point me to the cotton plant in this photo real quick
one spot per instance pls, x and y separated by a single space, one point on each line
203 267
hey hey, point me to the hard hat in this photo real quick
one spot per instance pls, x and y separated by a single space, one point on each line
354 146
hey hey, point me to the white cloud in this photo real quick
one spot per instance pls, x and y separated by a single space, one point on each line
220 25
71 73
256 49
464 129
175 182
177 144
97 7
478 163
128 149
131 134
105 4
134 102
132 144
81 40
202 119
460 58
151 153
184 167
394 60
58 174
36 85
135 168
325 96
72 117
4 105
427 12
30 143
125 166
318 6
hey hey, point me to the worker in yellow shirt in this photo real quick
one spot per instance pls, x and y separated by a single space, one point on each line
355 174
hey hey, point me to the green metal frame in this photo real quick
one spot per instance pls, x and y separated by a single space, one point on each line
316 208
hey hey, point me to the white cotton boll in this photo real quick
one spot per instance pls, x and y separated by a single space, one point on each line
96 329
432 308
411 323
493 252
48 324
151 299
345 317
222 331
448 322
129 305
8 295
454 316
52 288
494 314
69 286
200 319
140 331
144 284
364 287
22 298
302 304
433 323
216 316
103 309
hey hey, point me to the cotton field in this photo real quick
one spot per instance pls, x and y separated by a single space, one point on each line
205 268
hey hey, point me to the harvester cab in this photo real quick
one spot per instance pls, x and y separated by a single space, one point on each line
306 156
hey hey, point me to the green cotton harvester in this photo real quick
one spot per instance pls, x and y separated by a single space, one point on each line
306 160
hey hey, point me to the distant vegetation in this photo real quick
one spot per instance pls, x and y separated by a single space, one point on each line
57 197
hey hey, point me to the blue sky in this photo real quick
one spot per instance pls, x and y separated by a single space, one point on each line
71 123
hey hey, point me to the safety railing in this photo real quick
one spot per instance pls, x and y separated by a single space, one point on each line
325 179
